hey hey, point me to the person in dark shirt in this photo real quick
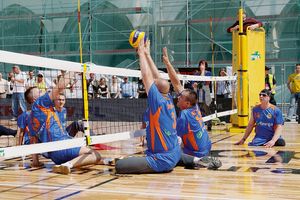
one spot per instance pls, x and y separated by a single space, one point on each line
270 84
247 22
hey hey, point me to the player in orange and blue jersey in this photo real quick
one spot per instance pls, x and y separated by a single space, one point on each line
267 120
190 126
73 128
45 126
163 149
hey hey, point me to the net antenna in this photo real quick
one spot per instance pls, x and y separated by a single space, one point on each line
84 84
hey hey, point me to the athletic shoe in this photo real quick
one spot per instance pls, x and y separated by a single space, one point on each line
61 169
209 162
13 119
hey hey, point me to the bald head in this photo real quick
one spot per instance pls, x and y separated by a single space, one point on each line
162 85
31 94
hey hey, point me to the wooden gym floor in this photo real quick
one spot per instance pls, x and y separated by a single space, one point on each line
247 173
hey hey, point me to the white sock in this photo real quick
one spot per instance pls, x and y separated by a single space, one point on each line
196 160
68 164
107 161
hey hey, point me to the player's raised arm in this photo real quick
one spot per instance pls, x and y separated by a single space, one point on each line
172 73
145 68
62 83
153 68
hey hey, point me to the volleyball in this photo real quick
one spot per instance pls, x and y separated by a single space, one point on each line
135 38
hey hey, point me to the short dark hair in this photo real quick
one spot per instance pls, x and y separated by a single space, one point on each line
267 92
203 62
191 97
298 64
28 94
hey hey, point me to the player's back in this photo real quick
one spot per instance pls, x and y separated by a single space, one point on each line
191 128
161 132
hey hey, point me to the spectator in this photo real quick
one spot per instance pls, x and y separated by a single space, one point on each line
203 90
270 84
114 88
103 89
30 80
141 89
3 87
9 85
223 87
247 22
127 88
293 85
92 85
18 81
40 83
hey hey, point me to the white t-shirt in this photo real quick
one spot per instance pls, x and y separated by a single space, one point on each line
3 86
17 86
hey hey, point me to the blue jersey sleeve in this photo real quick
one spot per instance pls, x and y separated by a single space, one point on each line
181 121
154 98
278 117
22 120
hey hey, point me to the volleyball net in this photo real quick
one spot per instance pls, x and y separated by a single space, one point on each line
116 100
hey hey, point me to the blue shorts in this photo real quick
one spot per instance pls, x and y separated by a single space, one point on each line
62 156
164 162
201 153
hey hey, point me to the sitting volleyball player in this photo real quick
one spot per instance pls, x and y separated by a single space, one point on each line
267 120
190 126
61 111
44 126
163 151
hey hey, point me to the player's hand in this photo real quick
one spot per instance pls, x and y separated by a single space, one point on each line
242 141
235 28
165 56
147 47
252 27
141 48
269 144
195 86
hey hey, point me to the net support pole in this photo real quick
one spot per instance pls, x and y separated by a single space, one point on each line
243 110
84 85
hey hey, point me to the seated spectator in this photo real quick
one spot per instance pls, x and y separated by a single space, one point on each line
247 22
